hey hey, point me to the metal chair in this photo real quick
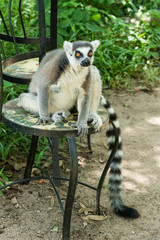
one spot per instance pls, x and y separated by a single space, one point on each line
17 119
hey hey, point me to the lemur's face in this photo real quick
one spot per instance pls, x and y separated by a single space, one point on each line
81 54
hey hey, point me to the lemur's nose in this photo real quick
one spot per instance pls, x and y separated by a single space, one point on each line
85 62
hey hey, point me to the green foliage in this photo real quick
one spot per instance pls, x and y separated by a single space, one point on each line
12 91
11 143
3 179
5 150
129 32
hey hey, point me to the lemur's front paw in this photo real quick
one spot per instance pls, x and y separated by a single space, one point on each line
82 130
59 116
43 120
96 121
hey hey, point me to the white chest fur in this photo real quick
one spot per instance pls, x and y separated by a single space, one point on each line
64 94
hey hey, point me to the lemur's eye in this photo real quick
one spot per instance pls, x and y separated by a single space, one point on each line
90 54
78 54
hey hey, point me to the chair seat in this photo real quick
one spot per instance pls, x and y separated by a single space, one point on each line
22 69
17 118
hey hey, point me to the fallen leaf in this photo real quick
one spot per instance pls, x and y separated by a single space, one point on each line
104 125
14 158
107 238
36 171
81 144
83 150
49 208
60 163
87 210
95 217
46 164
105 144
48 197
16 165
17 205
144 89
14 200
82 205
101 160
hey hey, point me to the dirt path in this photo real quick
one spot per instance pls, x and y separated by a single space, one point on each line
37 215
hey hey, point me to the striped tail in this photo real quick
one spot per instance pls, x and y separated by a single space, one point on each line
115 176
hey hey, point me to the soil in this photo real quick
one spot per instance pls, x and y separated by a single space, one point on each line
31 212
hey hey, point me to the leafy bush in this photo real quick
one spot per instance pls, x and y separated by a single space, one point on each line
129 31
129 43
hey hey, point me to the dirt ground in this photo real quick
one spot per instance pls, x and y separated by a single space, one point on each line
31 212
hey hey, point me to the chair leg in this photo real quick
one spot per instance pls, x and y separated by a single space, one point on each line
31 157
55 160
89 142
71 188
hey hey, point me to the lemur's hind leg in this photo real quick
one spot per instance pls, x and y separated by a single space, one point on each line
29 102
59 116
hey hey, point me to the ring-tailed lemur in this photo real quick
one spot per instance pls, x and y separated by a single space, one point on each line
67 78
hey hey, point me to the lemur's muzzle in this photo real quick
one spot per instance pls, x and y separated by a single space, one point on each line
85 62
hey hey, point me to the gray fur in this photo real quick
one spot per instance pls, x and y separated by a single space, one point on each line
62 82
80 44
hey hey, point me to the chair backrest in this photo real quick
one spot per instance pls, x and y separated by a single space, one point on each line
43 34
10 34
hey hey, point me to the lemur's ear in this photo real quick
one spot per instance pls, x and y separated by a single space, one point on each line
68 47
95 44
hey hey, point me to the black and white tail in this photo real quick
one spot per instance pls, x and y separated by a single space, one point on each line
115 176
